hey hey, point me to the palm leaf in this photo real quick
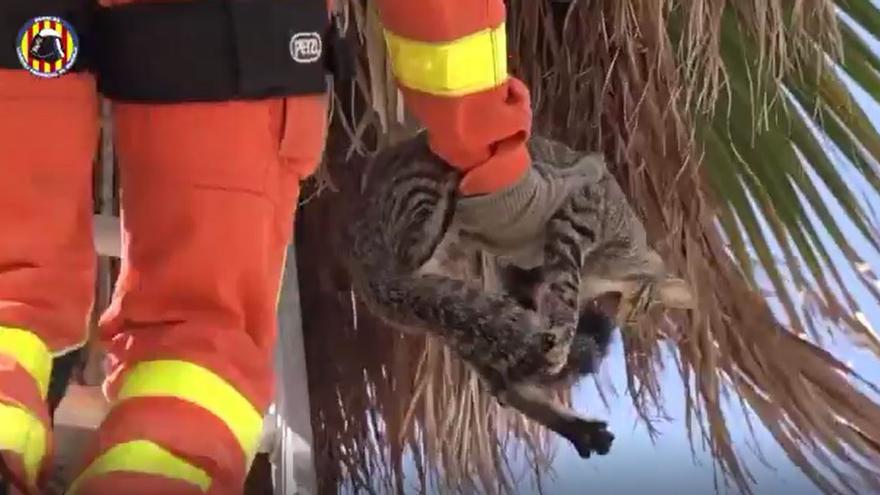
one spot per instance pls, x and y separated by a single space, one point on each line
725 122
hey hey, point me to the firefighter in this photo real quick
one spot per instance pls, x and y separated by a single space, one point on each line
215 127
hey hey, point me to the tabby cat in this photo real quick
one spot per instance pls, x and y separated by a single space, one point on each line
538 328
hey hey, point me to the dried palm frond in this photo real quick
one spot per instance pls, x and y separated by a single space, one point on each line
721 119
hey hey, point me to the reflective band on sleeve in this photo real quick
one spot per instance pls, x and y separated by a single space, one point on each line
142 456
30 352
192 383
470 64
23 434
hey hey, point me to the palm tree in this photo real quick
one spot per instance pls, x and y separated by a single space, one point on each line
724 122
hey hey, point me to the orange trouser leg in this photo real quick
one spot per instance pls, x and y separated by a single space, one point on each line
208 199
48 139
48 136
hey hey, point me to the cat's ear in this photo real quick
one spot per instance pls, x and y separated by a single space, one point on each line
675 293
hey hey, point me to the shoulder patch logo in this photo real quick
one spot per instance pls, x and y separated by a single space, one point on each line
47 46
305 48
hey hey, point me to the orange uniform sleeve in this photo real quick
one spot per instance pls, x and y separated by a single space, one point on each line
449 59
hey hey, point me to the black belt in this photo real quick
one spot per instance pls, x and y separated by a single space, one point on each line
203 50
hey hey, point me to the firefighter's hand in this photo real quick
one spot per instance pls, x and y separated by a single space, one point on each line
511 222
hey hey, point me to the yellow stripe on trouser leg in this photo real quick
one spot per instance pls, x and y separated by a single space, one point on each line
30 352
142 456
470 64
200 386
25 435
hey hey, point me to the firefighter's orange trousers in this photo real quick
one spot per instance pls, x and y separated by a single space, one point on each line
208 199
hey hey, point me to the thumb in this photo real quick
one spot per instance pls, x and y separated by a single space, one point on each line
590 168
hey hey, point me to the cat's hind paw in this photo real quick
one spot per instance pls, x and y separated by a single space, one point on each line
589 437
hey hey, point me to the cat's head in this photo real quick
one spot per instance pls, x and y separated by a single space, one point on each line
628 275
595 322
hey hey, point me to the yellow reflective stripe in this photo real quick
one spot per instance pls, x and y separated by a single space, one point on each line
473 63
31 353
22 433
142 456
190 382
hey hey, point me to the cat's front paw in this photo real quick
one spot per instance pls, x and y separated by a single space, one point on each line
589 437
561 323
554 351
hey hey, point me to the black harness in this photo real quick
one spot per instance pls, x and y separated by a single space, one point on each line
200 50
